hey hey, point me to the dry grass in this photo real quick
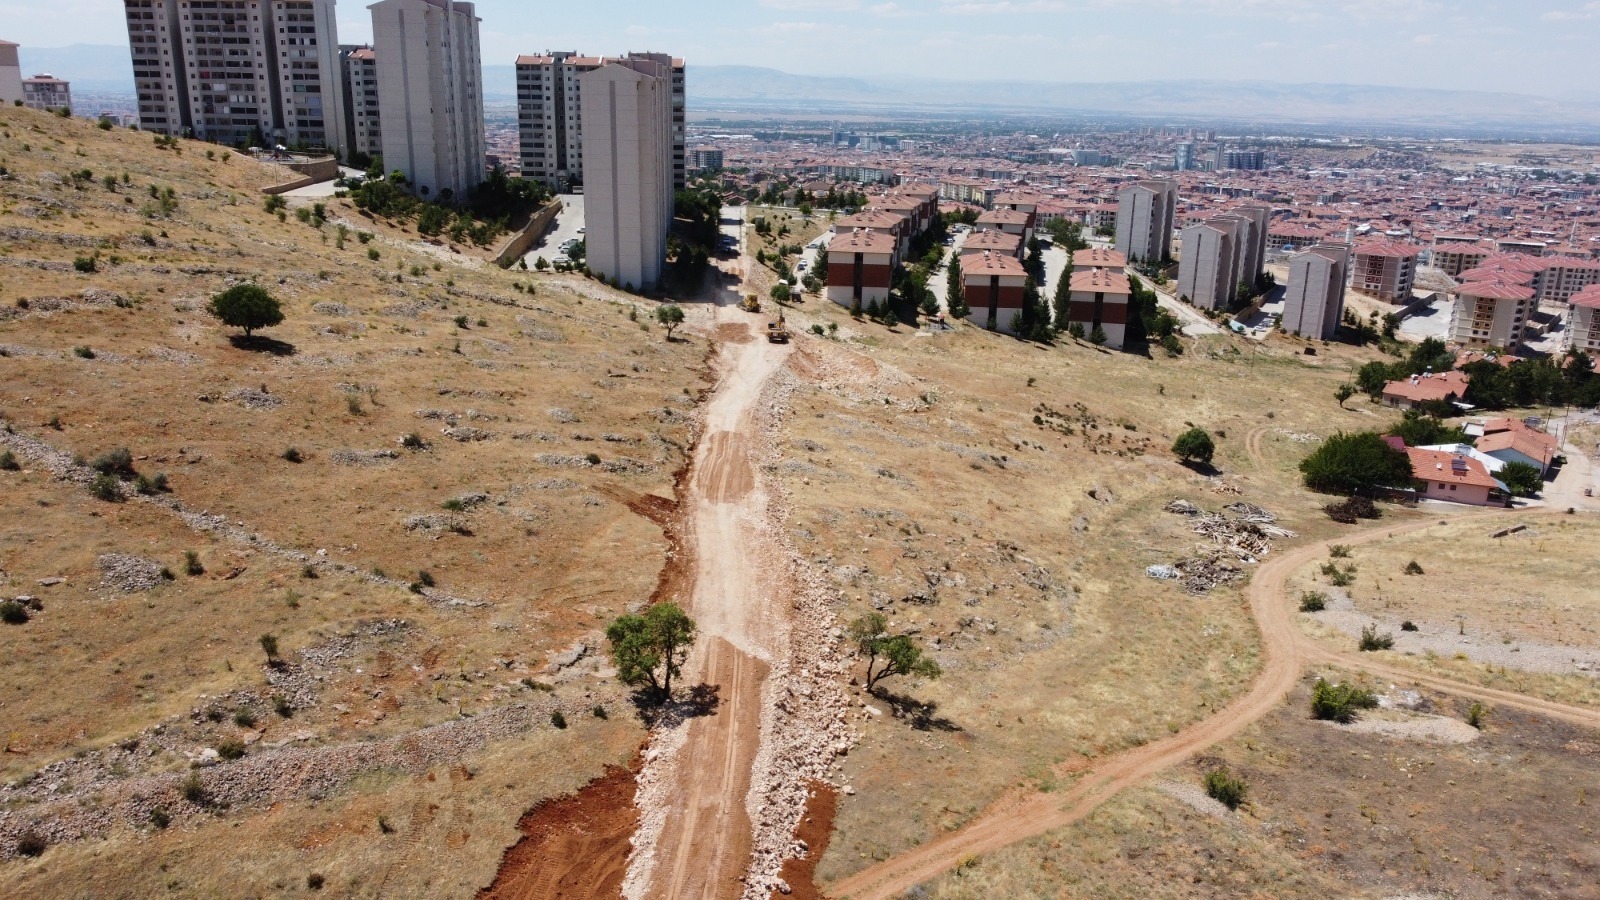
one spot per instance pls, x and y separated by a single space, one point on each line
544 554
1333 811
950 481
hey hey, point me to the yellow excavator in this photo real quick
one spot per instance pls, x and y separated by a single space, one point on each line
751 303
778 332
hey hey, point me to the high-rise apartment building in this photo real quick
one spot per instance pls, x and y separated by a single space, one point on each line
363 132
237 71
430 100
10 73
550 116
1144 220
1243 159
1583 322
46 92
1313 301
1210 257
629 167
1386 270
705 160
1183 156
1492 314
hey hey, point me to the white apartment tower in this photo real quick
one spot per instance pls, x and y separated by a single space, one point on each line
234 71
1314 299
363 133
629 167
550 114
10 73
1144 219
430 101
1205 274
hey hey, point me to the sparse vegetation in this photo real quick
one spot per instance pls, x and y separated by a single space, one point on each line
1371 641
649 649
1313 601
1225 787
901 653
1340 702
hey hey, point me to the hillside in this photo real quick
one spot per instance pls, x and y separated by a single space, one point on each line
491 466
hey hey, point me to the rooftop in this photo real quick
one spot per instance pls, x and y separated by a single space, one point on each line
1449 468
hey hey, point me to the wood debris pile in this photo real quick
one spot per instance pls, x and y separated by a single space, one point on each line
1241 534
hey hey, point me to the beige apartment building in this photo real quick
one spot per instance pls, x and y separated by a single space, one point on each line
1583 321
10 73
1314 297
1455 254
1222 253
629 169
550 116
363 131
430 101
1144 219
237 71
1098 298
1492 314
1385 270
46 92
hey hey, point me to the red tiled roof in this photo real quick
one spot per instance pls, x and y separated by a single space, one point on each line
1097 281
1441 466
1496 290
1099 258
1424 388
1386 248
861 242
1589 296
991 264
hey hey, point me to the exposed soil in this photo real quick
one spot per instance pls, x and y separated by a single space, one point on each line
814 831
576 847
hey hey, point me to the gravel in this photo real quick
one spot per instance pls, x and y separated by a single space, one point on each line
128 574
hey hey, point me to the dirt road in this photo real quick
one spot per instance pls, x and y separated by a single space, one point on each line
1287 652
696 842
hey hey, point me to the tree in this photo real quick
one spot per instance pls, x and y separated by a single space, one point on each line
1063 299
1035 261
670 316
649 649
1351 463
955 299
246 306
1097 336
900 653
1372 377
1523 480
1195 445
1033 321
1418 429
780 292
1344 392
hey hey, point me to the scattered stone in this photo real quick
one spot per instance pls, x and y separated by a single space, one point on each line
128 574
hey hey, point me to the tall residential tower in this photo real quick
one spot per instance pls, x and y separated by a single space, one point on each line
430 100
629 165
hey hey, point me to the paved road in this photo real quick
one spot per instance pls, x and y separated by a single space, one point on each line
1194 324
566 225
322 189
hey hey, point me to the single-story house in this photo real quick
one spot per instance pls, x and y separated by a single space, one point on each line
1412 392
1455 478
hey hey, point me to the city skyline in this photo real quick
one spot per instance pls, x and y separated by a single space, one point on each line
1481 45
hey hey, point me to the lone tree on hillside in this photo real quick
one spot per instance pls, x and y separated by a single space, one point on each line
670 316
900 653
1351 463
1344 392
649 649
246 306
1195 445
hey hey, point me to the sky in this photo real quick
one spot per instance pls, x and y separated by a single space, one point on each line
1533 47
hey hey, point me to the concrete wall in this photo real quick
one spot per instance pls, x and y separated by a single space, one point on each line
311 171
517 245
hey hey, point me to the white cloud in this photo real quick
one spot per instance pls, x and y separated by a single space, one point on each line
813 5
1581 14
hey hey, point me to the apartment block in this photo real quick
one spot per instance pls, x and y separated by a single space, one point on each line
1210 252
430 102
550 116
10 73
1314 297
46 92
1560 278
363 128
1144 219
1492 314
237 71
993 285
986 241
968 190
1386 270
629 188
1456 254
1243 159
708 159
1583 322
860 267
1098 258
1099 299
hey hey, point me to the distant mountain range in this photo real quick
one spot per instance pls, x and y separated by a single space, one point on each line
733 89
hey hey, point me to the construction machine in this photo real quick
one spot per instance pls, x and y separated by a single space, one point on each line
778 332
751 303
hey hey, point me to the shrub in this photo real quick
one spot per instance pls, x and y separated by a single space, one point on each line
413 441
31 843
558 720
454 505
372 253
282 706
13 613
117 462
193 789
1408 625
269 646
84 264
83 352
1339 702
231 749
425 578
600 712
1371 640
1339 551
353 404
8 461
153 485
191 563
315 881
1225 787
160 818
1353 509
1339 577
1313 602
244 718
275 203
293 455
1477 715
308 571
1523 480
106 487
1412 568
593 459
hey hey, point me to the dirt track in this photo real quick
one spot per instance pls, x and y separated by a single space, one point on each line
1287 653
697 842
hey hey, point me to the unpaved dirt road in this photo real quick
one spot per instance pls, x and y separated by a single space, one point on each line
1287 651
701 846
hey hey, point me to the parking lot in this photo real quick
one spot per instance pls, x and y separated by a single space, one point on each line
568 226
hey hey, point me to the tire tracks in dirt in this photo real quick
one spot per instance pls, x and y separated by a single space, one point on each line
1287 653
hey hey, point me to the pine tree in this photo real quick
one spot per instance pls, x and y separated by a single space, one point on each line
1064 298
1035 262
954 297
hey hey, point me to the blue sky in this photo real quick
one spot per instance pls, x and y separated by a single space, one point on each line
1534 47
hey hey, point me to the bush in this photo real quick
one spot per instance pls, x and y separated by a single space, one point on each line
8 461
1339 551
1339 702
1224 787
1412 568
1523 480
293 455
13 613
117 462
413 441
425 578
372 253
600 712
193 789
1372 641
1195 445
191 563
558 720
31 843
592 458
107 488
1408 625
315 881
83 352
461 321
1352 510
84 264
160 818
231 749
1313 602
153 485
1477 715
244 718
